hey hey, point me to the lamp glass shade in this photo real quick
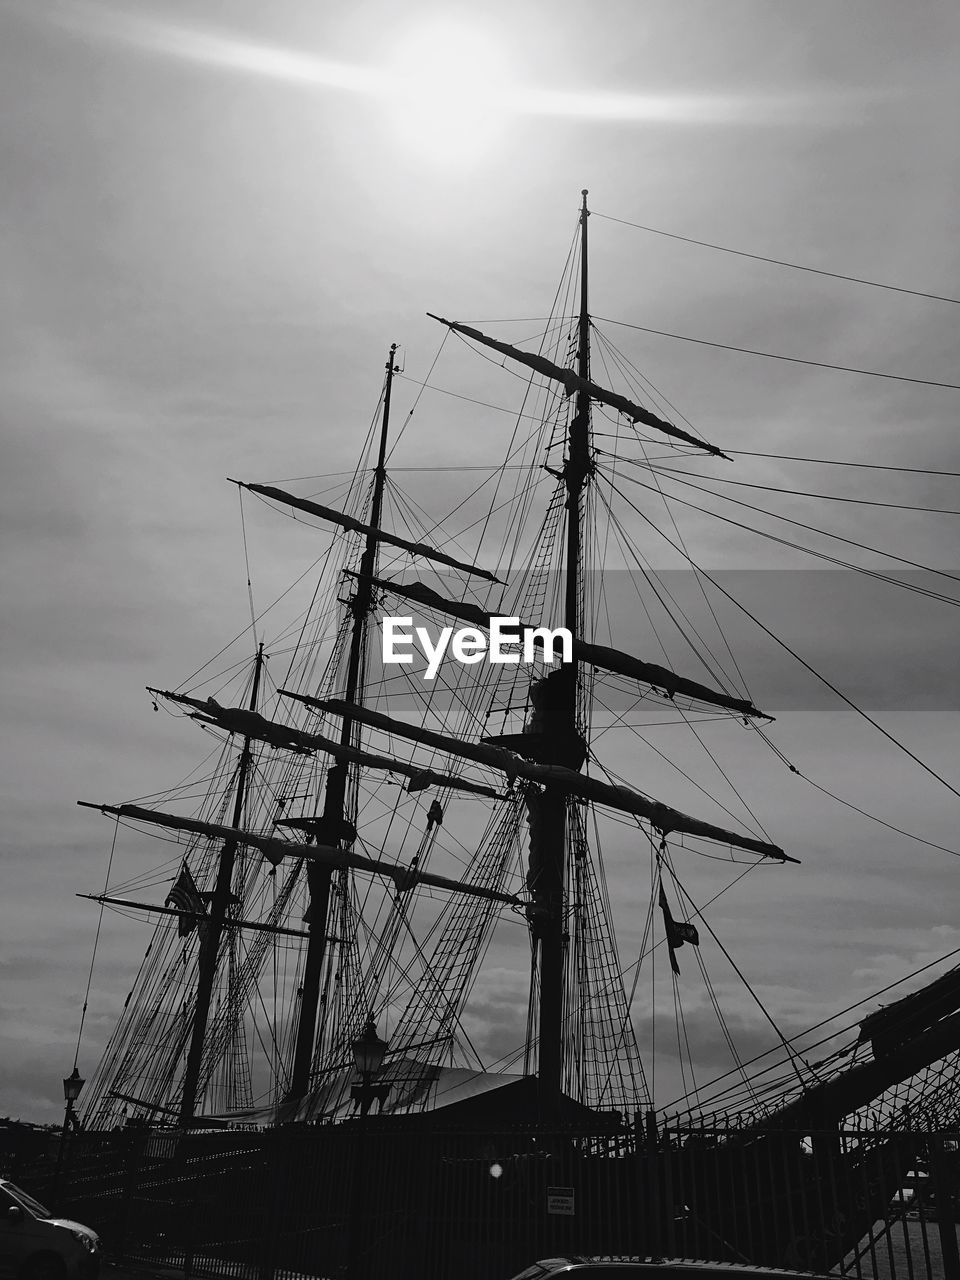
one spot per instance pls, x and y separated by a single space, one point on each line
72 1085
369 1050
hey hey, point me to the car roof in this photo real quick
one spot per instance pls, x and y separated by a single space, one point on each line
692 1265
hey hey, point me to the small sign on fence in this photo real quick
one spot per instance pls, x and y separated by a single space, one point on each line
560 1200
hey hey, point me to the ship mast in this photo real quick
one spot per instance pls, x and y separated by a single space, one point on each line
212 931
332 827
578 460
549 922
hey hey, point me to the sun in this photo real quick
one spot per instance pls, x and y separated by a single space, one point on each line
448 91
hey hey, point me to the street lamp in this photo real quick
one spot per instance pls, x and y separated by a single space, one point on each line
72 1084
368 1054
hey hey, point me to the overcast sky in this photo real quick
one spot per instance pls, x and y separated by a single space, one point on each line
215 220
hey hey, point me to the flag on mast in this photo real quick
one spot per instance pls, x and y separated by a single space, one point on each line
185 896
678 931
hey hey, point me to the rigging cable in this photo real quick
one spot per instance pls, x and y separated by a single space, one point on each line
803 493
548 419
412 409
774 515
806 665
453 1015
779 262
614 985
673 765
711 991
785 542
622 364
484 404
674 611
849 803
792 1054
96 941
669 409
246 561
842 1013
223 649
839 462
773 355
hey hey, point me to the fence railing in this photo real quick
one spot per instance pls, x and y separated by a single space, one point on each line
373 1197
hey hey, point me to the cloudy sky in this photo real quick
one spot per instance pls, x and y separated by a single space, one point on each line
216 218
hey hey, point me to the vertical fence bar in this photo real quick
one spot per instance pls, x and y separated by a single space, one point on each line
942 1174
871 1238
923 1206
901 1205
189 1227
867 1143
131 1171
274 1167
670 1143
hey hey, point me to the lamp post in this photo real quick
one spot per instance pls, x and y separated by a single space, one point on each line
368 1054
72 1085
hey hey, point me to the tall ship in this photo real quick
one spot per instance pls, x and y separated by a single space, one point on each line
418 765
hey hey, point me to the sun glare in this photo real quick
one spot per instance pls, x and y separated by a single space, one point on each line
448 91
449 88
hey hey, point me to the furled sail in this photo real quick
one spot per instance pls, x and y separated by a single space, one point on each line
357 526
573 382
660 816
253 725
243 721
598 655
276 850
259 926
823 1105
905 1019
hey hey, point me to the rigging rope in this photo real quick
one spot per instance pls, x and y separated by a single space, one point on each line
96 941
676 528
803 493
772 355
246 561
673 610
848 803
423 385
792 1054
779 262
774 515
809 551
806 665
839 462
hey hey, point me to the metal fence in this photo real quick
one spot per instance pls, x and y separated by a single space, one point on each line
376 1197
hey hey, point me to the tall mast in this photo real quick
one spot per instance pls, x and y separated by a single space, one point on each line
549 922
578 455
333 829
212 931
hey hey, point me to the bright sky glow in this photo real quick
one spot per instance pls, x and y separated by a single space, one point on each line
449 86
448 91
